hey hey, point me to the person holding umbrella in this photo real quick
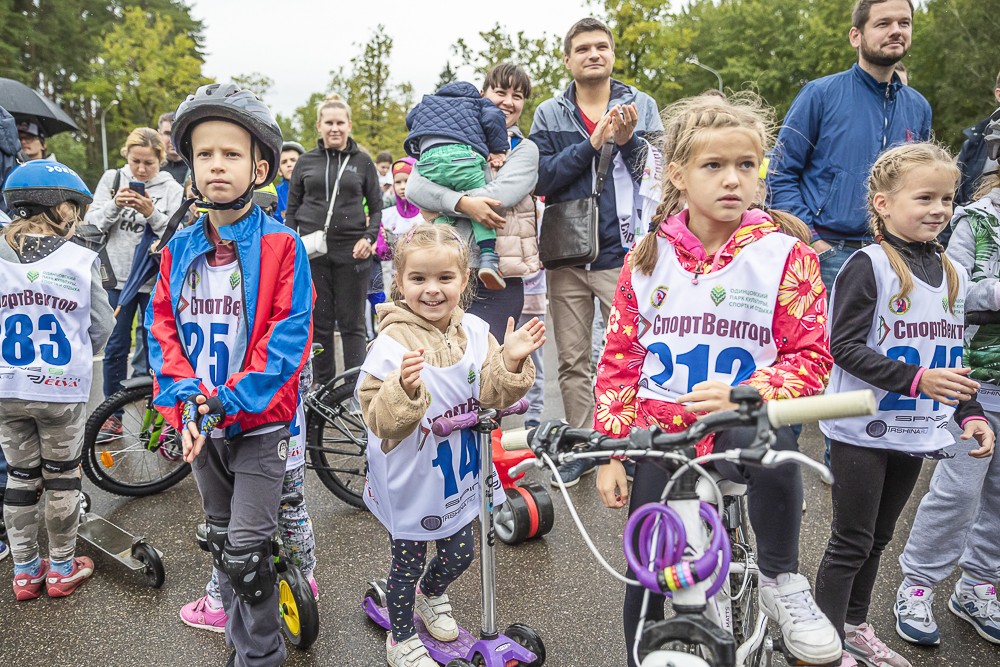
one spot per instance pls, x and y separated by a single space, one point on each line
32 138
126 200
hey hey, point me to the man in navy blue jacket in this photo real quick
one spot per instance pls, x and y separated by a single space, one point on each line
570 129
836 128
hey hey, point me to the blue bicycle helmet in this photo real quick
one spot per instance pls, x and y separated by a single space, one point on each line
227 102
37 186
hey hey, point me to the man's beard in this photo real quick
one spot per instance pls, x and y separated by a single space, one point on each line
880 58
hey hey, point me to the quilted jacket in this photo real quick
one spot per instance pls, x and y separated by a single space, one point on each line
458 111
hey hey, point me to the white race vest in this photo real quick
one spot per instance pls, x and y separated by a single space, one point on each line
297 438
719 329
918 330
427 487
46 353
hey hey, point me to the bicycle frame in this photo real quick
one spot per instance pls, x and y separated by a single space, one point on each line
312 403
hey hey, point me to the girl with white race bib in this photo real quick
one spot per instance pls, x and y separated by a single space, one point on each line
897 329
719 294
55 317
429 360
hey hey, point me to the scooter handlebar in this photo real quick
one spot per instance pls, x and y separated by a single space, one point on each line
444 426
513 441
818 408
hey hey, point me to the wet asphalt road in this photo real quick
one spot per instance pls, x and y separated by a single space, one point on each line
553 584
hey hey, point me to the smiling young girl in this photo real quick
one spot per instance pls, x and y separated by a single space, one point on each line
719 294
897 327
432 359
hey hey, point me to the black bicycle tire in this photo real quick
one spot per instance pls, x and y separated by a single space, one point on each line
743 525
315 424
91 466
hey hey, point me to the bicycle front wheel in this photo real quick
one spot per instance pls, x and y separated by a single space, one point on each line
144 459
337 442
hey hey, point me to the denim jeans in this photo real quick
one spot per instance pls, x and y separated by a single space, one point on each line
830 262
117 351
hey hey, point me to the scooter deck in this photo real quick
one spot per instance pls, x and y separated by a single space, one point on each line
110 539
496 652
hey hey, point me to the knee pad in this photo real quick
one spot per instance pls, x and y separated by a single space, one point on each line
62 475
251 571
218 533
23 497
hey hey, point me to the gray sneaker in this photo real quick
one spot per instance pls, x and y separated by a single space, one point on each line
489 271
915 615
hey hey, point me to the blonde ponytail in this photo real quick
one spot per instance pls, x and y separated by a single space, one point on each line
57 221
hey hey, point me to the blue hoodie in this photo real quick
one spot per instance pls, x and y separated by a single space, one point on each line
832 135
567 165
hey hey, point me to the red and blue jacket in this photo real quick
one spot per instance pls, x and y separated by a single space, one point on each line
278 297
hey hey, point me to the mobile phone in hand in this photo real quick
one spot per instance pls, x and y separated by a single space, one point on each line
137 187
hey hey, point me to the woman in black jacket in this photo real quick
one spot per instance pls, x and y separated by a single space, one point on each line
342 276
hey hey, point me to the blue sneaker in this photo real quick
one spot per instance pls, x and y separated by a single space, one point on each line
572 472
915 616
979 607
4 550
530 424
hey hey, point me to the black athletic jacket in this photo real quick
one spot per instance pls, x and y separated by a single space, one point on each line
312 184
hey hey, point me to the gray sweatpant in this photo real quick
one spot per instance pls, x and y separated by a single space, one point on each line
30 431
958 521
240 482
536 395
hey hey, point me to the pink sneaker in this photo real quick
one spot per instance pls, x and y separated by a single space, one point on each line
27 587
847 660
314 587
59 586
200 614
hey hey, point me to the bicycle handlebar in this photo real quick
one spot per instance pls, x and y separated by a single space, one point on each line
444 426
819 408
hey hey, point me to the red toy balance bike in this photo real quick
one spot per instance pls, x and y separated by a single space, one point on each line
528 512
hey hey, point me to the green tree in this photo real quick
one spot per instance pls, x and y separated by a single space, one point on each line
954 63
541 58
447 76
304 121
255 82
378 106
147 67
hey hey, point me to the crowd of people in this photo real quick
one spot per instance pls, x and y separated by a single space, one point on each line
805 262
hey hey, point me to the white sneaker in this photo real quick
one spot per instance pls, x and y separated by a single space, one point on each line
436 615
914 611
409 653
807 632
979 607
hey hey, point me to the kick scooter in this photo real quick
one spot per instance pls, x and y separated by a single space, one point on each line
520 646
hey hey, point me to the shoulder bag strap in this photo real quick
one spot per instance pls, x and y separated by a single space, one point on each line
117 183
602 167
333 198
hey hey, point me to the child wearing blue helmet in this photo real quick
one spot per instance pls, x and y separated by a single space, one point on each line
55 316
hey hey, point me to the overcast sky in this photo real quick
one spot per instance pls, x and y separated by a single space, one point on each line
309 38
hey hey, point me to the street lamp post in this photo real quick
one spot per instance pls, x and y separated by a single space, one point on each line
104 136
694 61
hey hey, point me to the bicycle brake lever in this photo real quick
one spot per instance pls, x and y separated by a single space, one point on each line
525 466
774 459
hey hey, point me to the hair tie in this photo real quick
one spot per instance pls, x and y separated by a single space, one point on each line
879 238
461 243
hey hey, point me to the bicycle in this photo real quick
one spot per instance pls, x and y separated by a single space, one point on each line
146 458
337 438
678 556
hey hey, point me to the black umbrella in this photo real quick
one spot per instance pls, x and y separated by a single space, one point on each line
26 104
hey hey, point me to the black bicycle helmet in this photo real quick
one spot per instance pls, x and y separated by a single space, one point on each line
992 136
38 185
293 146
228 102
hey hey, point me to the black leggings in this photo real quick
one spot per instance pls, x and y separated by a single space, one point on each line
871 488
454 556
341 284
774 498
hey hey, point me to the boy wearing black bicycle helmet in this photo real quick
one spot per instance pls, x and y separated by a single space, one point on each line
231 324
56 316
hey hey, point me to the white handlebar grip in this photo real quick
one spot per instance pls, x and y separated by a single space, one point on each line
512 441
818 408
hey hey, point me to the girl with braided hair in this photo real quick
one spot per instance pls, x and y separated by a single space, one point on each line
718 294
897 328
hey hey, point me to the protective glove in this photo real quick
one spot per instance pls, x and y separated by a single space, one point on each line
206 423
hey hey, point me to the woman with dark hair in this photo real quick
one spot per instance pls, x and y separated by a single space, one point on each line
337 176
509 191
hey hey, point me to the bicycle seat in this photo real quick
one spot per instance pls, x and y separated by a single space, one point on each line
727 486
